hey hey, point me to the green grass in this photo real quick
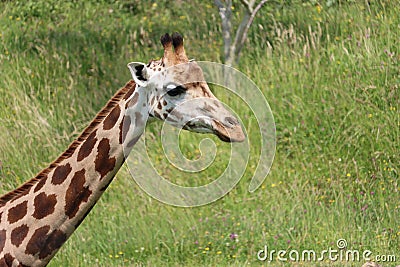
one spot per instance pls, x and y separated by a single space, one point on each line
330 74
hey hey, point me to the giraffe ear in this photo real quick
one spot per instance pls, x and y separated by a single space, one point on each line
139 73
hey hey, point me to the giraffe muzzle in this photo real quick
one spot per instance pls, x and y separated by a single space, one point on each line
229 131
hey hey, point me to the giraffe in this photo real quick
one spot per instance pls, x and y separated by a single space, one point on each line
38 217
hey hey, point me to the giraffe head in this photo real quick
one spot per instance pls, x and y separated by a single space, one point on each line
179 94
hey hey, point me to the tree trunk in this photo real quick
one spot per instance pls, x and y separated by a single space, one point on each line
232 49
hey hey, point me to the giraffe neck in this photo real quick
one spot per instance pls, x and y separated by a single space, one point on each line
38 217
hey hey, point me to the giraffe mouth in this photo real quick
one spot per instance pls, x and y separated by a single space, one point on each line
228 134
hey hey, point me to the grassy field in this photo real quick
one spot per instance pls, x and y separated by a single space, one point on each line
330 73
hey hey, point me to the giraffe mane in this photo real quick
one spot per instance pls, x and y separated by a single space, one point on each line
124 92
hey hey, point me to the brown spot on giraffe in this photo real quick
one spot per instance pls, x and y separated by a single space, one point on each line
18 235
44 205
111 118
157 115
77 193
60 174
138 119
87 146
133 101
2 239
104 164
37 241
124 128
40 184
18 212
7 260
45 244
53 243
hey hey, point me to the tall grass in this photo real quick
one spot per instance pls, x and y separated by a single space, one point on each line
330 74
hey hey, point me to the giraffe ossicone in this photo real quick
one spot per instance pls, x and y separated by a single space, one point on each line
40 215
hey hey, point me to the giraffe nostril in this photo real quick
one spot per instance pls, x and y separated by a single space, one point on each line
231 121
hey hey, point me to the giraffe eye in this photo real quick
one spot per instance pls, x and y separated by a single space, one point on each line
177 90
